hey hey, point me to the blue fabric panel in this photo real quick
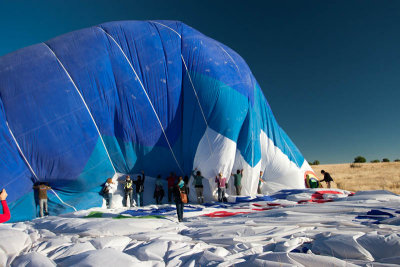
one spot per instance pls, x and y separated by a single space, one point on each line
48 118
208 57
194 125
155 55
15 176
56 138
249 199
248 142
24 208
101 74
159 211
225 109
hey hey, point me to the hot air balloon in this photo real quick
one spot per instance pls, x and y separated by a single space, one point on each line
127 96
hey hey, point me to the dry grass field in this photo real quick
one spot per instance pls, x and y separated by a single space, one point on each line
363 176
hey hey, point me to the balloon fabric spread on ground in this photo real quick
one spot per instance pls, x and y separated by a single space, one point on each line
360 229
127 96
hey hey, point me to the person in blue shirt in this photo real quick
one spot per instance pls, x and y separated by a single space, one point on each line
179 189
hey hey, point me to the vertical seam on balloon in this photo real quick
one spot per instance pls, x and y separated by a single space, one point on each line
84 102
148 98
30 167
191 82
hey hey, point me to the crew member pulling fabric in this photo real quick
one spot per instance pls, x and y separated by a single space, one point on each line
6 212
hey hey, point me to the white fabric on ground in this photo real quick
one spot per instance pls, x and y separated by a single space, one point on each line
267 233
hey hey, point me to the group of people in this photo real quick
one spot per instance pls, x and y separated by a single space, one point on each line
110 187
178 189
172 180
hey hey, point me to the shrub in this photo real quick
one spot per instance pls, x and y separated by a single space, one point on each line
316 162
385 160
397 160
359 159
354 165
375 161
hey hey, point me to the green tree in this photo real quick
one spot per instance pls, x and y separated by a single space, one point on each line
397 160
316 162
375 161
359 159
385 160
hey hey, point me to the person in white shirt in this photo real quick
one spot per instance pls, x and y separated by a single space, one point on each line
109 188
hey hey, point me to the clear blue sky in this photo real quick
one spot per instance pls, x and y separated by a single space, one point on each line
329 69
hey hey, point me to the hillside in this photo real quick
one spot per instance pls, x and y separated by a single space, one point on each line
363 176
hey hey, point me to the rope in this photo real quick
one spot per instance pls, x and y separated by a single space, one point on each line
191 82
84 102
148 98
30 167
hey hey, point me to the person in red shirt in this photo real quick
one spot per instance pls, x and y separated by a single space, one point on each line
171 184
6 212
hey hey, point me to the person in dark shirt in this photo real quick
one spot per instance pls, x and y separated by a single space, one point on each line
6 212
238 181
158 190
327 178
140 189
198 185
42 188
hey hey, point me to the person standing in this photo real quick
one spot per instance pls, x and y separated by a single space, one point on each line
238 181
198 185
221 183
158 190
128 190
6 212
178 190
327 178
171 183
186 181
42 188
140 189
109 188
260 181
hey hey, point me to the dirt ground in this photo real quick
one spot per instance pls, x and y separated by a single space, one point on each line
363 176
